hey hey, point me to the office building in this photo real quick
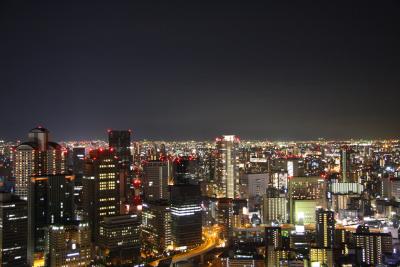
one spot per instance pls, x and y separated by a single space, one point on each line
273 237
373 245
118 242
325 228
224 217
120 141
186 217
78 164
274 207
50 202
321 257
156 227
13 230
156 180
69 244
240 212
100 188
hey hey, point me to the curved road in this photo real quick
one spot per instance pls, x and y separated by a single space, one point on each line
211 237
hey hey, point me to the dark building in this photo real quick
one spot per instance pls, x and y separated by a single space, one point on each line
13 231
186 217
6 180
119 240
225 216
100 188
50 202
185 170
78 164
325 228
120 141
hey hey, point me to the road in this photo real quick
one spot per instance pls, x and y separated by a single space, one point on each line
211 240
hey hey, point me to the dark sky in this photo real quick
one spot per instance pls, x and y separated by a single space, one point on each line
198 69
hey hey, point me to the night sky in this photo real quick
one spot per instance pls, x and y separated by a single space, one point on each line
198 69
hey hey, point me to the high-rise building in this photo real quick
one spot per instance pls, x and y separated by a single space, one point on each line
156 180
346 165
156 226
240 212
225 217
373 246
275 206
325 228
69 244
186 217
50 202
121 142
13 230
227 169
321 256
273 237
100 188
279 180
119 240
278 257
36 157
185 170
78 164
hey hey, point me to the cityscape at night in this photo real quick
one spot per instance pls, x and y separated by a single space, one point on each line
199 133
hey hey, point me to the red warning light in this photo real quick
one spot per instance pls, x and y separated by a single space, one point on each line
136 183
137 200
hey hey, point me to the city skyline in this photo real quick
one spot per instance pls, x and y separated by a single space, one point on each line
195 70
103 137
228 202
199 133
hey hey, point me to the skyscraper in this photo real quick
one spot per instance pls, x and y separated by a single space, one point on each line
118 240
13 230
227 169
186 218
345 165
273 237
156 180
373 246
78 163
225 216
325 228
121 142
69 244
275 206
100 188
156 226
50 202
36 157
